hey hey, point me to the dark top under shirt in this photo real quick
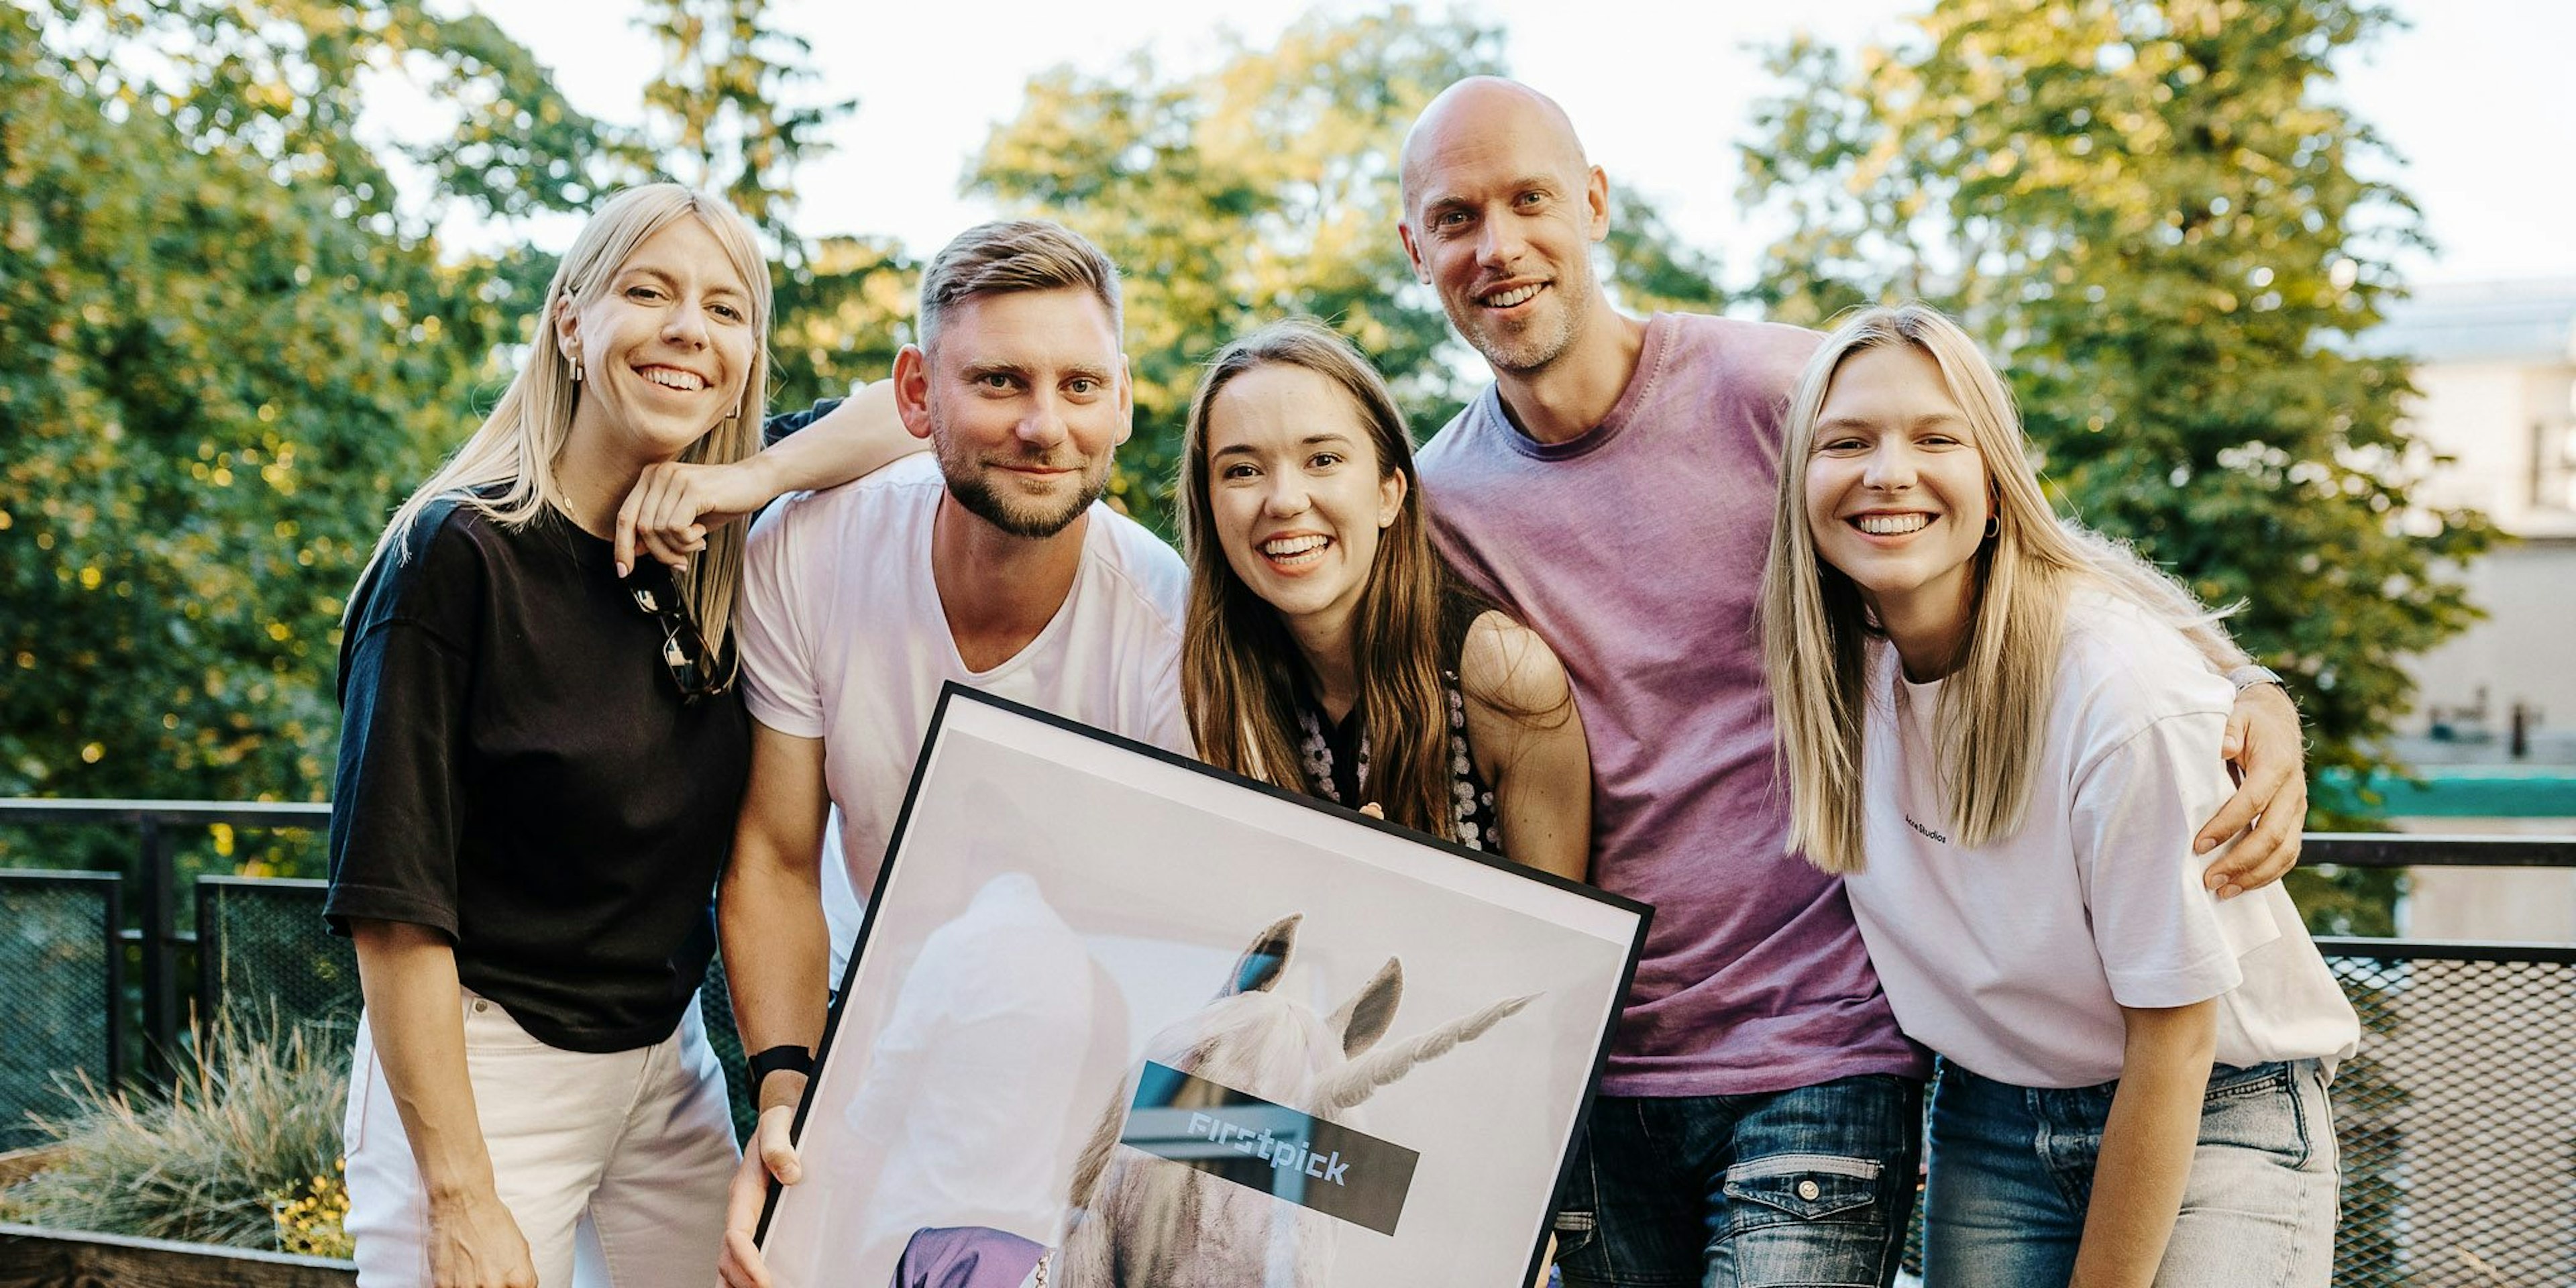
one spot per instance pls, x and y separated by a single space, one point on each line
1336 751
518 770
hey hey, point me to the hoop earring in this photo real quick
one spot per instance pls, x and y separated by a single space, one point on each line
1994 526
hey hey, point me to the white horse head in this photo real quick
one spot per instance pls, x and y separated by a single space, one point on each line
1139 1221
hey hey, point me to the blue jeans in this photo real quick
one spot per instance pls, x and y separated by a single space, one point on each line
2012 1174
1808 1187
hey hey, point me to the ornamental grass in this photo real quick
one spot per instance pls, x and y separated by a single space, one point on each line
244 1152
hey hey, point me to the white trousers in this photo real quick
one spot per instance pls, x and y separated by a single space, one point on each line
614 1166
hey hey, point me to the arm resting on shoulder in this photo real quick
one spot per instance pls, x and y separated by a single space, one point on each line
2268 753
777 949
1527 738
673 505
2270 806
416 1018
2147 1145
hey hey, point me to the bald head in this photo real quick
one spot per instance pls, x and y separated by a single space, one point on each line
1500 213
1478 116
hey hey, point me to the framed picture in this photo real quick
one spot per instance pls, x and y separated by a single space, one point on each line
1117 1018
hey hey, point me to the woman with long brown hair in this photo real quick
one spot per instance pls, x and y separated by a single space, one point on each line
1328 648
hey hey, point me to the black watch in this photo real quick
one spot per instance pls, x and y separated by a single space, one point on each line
784 1057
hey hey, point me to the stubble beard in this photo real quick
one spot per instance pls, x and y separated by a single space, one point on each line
1536 344
972 484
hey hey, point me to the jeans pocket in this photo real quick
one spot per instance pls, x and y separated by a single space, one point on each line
1808 1187
1576 1223
489 1028
2256 1108
1575 1234
1804 1219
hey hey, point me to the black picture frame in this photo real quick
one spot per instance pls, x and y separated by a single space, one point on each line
1619 926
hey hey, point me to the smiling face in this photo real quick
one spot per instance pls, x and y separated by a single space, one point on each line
1297 491
1501 211
1024 394
664 348
1896 490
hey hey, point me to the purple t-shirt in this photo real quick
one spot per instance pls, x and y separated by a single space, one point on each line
1636 549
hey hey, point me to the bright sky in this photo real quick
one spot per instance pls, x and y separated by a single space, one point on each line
2474 94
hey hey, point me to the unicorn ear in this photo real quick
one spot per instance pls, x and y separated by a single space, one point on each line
1371 1011
1262 963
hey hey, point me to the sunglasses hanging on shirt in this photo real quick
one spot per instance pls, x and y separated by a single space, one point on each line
693 666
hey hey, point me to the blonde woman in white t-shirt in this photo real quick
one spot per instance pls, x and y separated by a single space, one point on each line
2003 731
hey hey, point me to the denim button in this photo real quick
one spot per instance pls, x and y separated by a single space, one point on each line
1808 1190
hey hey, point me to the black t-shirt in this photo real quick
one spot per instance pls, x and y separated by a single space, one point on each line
519 771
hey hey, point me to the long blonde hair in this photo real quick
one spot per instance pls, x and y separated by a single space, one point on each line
507 471
1992 716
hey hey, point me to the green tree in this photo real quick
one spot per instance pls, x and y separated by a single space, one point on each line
841 316
223 356
1263 187
2149 211
720 115
1267 186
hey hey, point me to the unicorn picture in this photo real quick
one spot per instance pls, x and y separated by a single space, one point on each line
1145 1212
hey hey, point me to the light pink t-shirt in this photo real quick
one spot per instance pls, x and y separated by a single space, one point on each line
2014 958
1636 550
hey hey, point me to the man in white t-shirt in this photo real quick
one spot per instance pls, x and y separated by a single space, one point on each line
992 564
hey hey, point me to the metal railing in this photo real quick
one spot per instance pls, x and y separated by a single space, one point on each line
2457 1120
257 955
162 946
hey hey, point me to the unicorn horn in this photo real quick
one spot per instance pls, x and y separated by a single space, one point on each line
1361 1078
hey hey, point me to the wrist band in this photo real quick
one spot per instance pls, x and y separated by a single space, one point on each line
2254 673
786 1057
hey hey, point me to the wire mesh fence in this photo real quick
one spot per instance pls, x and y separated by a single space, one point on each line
264 958
717 1000
2457 1120
58 986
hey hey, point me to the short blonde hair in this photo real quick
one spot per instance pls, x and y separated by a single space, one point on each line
1015 255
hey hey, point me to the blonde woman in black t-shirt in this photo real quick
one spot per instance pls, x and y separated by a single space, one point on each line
539 769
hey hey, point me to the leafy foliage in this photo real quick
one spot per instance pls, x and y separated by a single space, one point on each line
720 115
217 381
229 351
1264 187
2148 210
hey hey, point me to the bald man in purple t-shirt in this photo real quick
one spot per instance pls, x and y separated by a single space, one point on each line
1761 1116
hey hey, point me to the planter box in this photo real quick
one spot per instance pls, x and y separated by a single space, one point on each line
32 1257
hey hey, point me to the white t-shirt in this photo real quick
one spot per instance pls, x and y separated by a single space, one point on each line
843 638
2013 960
